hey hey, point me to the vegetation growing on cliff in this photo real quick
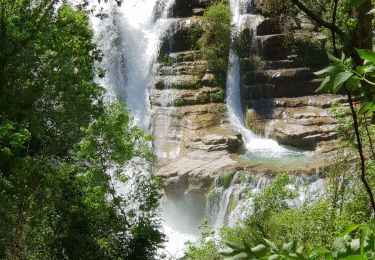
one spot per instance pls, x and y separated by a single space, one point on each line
215 41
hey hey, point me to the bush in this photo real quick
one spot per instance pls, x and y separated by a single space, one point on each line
217 97
215 41
179 102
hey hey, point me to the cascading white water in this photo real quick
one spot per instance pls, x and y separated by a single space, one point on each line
233 101
130 38
226 193
228 205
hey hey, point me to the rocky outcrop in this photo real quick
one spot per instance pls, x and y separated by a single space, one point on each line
183 34
304 122
193 139
278 87
206 153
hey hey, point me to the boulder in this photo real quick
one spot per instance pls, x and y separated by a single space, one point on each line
219 140
193 172
268 26
208 79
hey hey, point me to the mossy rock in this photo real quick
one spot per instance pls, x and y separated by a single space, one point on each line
166 59
186 56
203 98
186 85
225 180
217 97
179 102
253 123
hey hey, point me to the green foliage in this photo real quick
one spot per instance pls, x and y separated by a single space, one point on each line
205 248
360 245
12 139
259 224
179 102
215 41
186 85
341 72
310 227
203 98
37 67
195 34
62 150
217 97
225 180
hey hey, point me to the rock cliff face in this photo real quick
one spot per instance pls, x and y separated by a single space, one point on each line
194 140
278 87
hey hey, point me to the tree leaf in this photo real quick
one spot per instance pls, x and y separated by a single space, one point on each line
369 69
366 107
348 229
354 257
353 83
288 246
273 257
340 80
366 55
327 71
234 245
333 59
324 85
240 256
271 245
259 248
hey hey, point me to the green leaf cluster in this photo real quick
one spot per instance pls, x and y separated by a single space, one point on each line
63 150
342 74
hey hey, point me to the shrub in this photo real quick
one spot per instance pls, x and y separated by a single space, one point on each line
217 97
179 102
203 98
186 85
215 41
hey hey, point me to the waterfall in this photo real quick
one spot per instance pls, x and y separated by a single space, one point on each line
233 84
225 194
228 204
130 38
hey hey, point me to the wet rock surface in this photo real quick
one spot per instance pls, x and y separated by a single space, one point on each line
303 122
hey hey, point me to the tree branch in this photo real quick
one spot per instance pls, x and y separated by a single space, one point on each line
360 151
317 19
334 13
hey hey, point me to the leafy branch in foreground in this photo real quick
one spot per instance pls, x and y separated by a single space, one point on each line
342 74
356 242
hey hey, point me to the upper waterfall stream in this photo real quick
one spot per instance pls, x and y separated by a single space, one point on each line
255 145
130 40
